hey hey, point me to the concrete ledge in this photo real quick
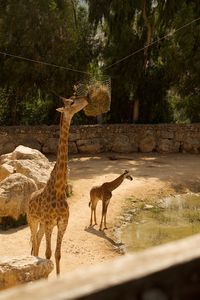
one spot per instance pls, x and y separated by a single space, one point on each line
170 271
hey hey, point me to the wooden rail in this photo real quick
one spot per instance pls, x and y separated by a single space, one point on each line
170 271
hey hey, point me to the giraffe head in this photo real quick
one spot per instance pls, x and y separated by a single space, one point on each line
127 175
73 105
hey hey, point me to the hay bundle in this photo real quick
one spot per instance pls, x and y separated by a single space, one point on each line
98 98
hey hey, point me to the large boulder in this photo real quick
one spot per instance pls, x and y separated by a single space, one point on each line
18 270
29 162
15 191
39 170
22 152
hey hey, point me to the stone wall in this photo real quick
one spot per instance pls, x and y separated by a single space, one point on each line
91 139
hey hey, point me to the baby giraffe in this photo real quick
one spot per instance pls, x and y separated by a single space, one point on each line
104 192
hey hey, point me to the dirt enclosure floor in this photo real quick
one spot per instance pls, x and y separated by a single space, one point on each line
154 176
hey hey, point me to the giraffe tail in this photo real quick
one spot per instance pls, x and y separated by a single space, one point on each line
89 203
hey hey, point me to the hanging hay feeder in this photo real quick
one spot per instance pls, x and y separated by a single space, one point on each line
98 92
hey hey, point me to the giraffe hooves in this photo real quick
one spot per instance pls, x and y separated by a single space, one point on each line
100 229
91 225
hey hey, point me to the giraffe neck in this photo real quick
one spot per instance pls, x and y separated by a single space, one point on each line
58 177
112 185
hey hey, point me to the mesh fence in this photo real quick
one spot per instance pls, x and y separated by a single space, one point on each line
83 88
98 91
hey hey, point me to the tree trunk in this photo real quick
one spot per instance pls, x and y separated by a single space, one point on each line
12 99
150 30
135 111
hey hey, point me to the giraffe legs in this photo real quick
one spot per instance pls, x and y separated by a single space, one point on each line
93 212
48 233
33 227
61 230
40 234
104 212
37 235
95 217
102 216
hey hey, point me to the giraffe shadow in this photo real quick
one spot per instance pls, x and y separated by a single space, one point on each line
103 235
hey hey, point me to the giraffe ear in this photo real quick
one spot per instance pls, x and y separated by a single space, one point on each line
66 101
126 171
60 109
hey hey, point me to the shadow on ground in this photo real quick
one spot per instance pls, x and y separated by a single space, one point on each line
102 235
179 170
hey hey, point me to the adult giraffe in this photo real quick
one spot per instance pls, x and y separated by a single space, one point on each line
48 207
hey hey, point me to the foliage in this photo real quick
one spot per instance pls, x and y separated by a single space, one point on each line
161 81
52 31
181 55
150 74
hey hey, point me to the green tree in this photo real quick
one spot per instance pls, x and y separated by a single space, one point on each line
52 31
140 83
186 45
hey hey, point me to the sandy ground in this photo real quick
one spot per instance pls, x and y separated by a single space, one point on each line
154 176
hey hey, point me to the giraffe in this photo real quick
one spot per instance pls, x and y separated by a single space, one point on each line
104 192
48 207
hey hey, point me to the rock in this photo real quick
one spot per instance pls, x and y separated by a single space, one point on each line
90 146
191 145
168 146
167 134
4 158
14 194
148 206
121 144
38 170
5 171
72 148
51 145
29 162
22 152
18 270
147 143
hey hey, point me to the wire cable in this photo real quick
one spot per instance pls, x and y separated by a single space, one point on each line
117 62
153 43
42 62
